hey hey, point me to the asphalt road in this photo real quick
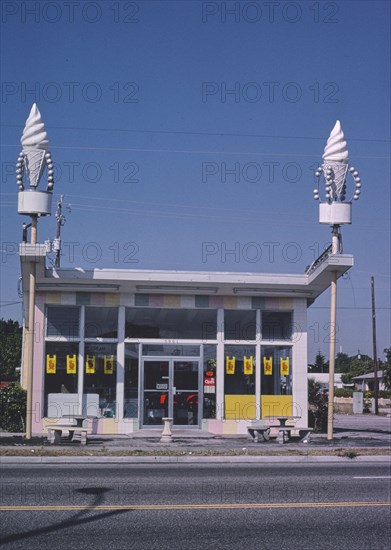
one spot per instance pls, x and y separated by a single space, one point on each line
198 506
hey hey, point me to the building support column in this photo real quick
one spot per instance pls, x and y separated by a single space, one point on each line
220 366
30 335
120 388
258 366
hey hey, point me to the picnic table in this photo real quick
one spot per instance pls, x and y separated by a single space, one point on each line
261 429
283 419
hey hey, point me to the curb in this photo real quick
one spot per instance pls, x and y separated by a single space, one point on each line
299 459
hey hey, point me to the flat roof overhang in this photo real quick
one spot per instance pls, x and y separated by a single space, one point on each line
141 281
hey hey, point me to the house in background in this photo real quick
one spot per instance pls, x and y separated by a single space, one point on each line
212 350
323 379
366 382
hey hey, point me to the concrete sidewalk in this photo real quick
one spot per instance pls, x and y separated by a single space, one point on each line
350 432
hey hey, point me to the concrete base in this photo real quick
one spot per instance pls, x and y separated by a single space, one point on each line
166 434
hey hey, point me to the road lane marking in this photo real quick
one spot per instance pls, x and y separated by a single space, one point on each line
372 477
233 506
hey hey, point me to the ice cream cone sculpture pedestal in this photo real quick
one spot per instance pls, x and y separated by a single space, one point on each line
36 202
335 213
32 161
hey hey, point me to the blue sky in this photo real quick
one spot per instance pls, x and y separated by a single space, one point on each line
182 128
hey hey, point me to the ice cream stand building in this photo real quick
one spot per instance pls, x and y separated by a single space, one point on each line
211 350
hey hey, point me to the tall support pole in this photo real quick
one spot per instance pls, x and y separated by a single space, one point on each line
335 240
30 335
333 330
376 388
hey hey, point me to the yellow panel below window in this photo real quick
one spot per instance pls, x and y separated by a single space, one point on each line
172 301
53 298
111 299
276 405
240 407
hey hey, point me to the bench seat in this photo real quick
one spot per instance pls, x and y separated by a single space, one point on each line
285 433
259 430
55 433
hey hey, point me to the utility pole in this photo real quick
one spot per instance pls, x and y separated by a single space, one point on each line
376 392
60 222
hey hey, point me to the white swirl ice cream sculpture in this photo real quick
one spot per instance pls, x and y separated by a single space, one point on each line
32 161
335 209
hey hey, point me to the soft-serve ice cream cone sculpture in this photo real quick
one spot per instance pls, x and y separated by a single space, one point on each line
32 161
335 209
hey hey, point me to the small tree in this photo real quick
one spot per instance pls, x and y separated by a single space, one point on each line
317 406
10 349
342 362
320 364
387 369
13 408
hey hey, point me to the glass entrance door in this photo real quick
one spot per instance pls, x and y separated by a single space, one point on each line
156 390
185 397
170 388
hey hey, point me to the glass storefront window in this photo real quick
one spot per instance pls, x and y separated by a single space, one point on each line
279 382
62 321
189 324
239 325
100 371
239 383
131 381
276 325
209 381
101 322
60 386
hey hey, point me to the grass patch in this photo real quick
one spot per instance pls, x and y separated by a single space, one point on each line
349 454
44 451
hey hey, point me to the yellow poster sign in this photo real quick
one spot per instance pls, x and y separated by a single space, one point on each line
248 365
230 365
71 364
51 361
108 364
268 366
90 364
284 366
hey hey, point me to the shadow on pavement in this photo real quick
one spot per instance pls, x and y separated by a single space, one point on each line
77 519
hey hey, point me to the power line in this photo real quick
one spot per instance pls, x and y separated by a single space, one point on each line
192 133
244 218
188 151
